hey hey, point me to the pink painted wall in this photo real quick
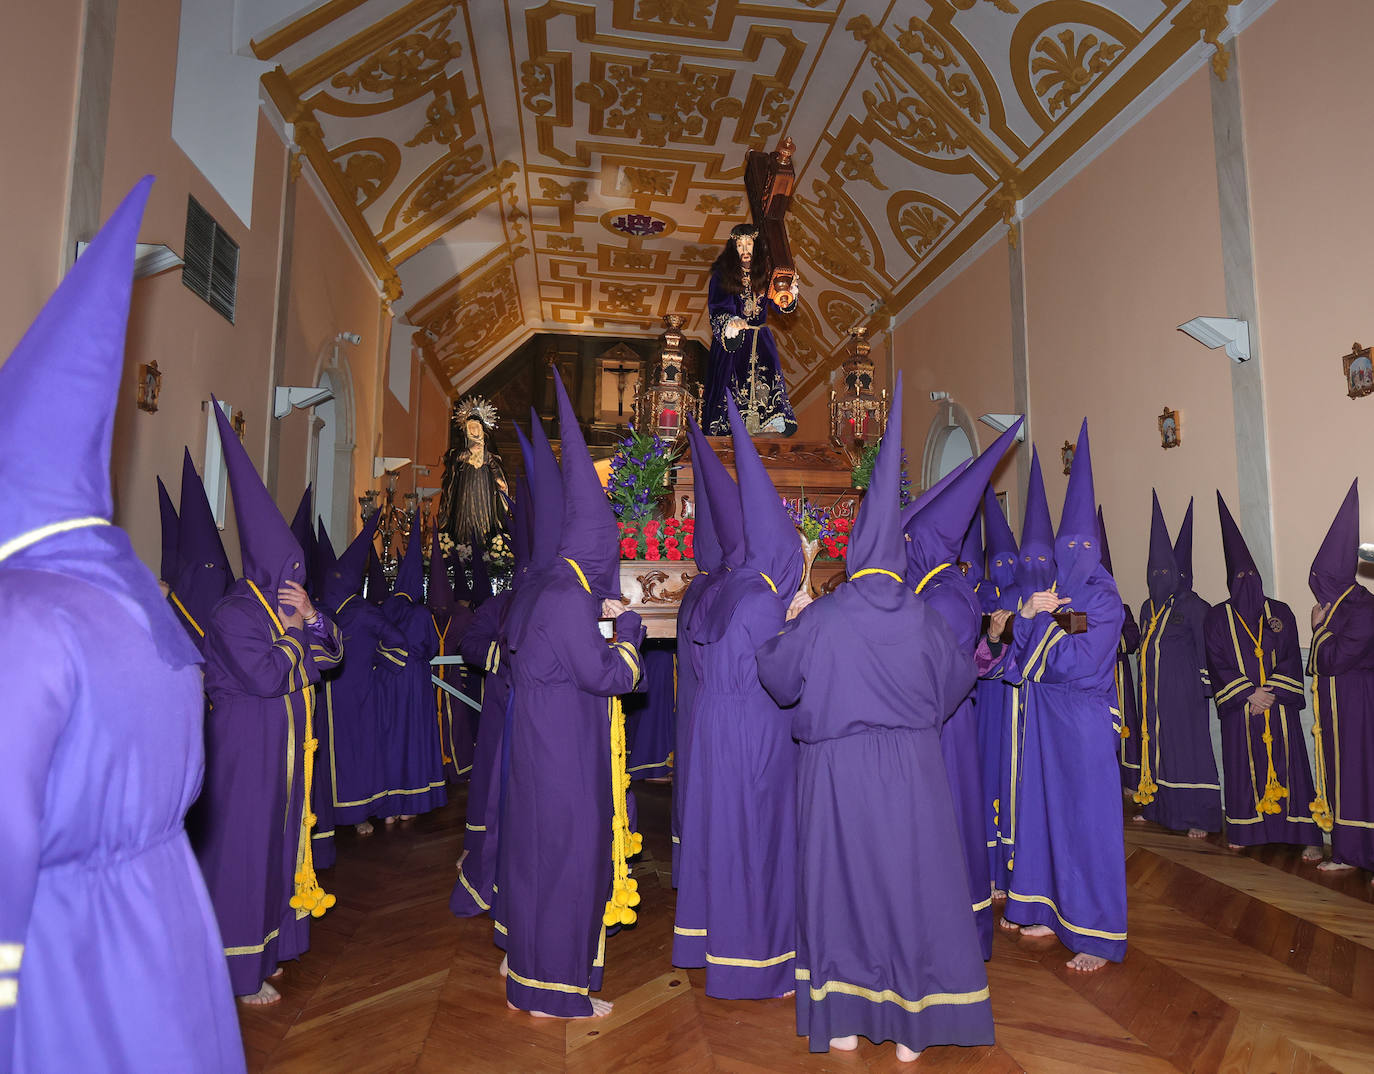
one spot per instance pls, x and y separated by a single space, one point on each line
1115 260
37 135
960 343
1310 160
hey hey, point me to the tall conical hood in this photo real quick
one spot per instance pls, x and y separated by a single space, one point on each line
705 543
1078 544
324 552
1035 570
1183 547
202 574
522 513
877 542
1333 571
917 505
591 538
546 498
440 596
168 514
971 550
270 552
937 531
727 517
303 529
345 578
461 590
1243 580
377 587
1002 554
771 544
1106 548
1163 578
69 364
481 577
410 574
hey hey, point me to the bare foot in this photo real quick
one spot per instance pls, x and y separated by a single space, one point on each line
276 973
407 816
997 893
1036 932
505 966
1196 833
390 821
906 1055
600 1008
365 828
1312 854
1085 963
263 997
1232 846
1010 926
1139 818
1333 866
845 1044
788 995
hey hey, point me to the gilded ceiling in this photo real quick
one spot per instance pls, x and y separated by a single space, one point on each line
515 167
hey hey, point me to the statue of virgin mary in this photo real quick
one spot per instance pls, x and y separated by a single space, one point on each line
474 504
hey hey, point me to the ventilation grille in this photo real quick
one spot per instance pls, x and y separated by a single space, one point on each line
212 260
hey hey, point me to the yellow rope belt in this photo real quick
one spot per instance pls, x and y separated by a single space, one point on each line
1145 790
1273 789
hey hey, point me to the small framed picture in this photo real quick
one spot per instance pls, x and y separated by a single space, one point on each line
239 424
1066 453
1359 371
1170 429
149 385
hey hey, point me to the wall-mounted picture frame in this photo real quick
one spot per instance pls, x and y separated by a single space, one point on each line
239 423
149 386
1359 371
1170 429
1066 454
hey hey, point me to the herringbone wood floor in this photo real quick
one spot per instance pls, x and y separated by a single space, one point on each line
1237 962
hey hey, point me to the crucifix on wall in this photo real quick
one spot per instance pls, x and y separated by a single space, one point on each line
618 375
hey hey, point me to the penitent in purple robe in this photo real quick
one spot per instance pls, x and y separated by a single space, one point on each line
886 946
1268 789
1069 868
1342 666
110 957
555 854
736 901
1128 748
991 696
482 647
412 759
1179 787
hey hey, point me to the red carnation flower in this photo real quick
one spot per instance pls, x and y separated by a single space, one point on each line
672 525
674 554
651 528
628 529
687 547
629 548
689 525
652 552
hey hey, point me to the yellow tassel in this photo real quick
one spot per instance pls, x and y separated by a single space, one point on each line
624 843
309 896
1125 731
1319 807
1145 790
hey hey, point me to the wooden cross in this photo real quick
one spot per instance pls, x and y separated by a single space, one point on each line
768 182
621 372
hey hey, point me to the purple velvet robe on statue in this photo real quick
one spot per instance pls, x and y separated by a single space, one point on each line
745 368
887 946
482 647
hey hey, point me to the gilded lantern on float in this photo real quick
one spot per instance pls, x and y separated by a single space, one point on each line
666 399
858 414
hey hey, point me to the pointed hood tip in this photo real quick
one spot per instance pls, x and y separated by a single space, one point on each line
706 550
772 545
1337 560
591 534
877 541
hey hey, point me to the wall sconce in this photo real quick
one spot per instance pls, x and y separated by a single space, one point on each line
1003 422
150 258
299 398
382 464
216 475
1226 332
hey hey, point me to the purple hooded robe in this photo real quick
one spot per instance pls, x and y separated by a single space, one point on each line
483 646
202 574
991 696
1342 666
110 956
167 515
412 758
736 903
260 676
1069 869
935 533
1179 787
886 945
1258 809
555 854
1128 748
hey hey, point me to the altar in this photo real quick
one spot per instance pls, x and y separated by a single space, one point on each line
813 471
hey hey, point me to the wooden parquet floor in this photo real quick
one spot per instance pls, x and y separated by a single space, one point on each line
1237 962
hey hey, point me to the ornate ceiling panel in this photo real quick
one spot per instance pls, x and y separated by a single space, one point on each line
511 168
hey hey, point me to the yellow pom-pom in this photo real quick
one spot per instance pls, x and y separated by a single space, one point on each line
631 883
329 902
632 899
295 902
610 917
627 916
